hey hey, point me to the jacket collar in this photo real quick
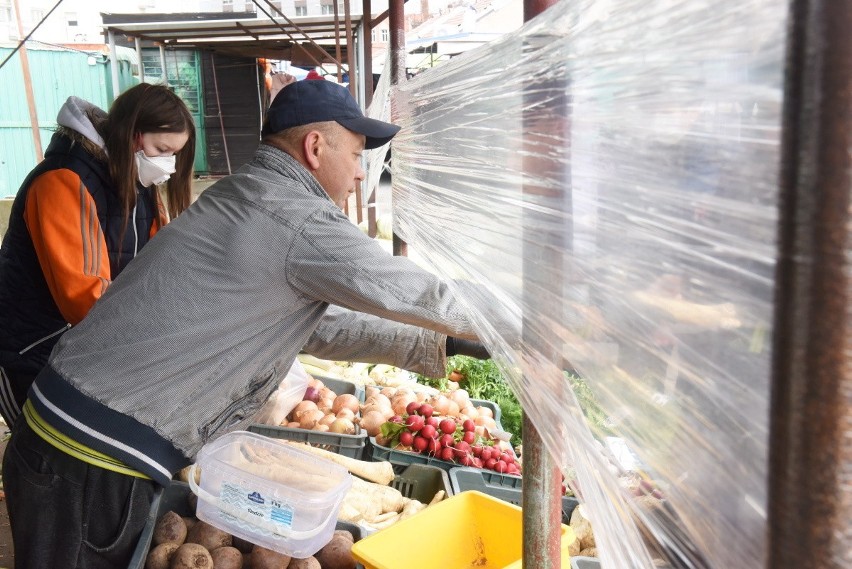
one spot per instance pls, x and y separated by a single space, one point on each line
279 161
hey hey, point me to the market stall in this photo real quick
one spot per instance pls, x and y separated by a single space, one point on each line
608 205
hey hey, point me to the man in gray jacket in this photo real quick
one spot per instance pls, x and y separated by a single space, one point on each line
199 329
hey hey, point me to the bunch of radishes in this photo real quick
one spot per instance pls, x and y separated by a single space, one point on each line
446 438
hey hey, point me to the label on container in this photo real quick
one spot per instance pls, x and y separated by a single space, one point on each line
251 506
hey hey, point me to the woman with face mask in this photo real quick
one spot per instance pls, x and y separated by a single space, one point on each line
81 215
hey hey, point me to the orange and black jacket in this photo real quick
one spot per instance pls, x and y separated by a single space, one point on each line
65 243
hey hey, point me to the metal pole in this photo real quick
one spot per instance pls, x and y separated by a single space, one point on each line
337 53
219 111
113 63
810 449
28 87
138 44
543 260
367 11
396 20
163 65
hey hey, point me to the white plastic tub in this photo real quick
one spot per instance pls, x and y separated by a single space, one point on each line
264 491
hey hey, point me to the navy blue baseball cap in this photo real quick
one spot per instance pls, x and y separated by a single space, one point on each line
306 102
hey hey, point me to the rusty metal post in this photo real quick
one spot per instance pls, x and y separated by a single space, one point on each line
28 86
396 21
810 450
543 270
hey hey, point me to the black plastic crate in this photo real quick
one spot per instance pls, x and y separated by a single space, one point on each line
400 459
176 498
505 487
421 482
346 445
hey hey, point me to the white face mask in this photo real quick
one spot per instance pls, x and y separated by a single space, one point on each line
154 170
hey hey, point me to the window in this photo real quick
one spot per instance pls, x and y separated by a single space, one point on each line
5 11
385 35
327 9
249 7
71 19
227 5
373 36
36 16
301 10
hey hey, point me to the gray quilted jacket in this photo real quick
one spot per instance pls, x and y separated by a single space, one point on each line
200 328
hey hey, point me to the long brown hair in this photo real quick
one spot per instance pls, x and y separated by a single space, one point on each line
139 110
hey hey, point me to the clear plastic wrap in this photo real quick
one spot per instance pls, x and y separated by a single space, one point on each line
608 176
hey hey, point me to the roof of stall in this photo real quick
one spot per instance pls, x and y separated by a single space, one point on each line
242 34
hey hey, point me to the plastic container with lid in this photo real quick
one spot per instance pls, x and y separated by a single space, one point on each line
269 493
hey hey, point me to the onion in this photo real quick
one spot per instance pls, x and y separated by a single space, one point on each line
346 400
380 399
301 408
372 423
486 411
440 404
310 418
293 425
327 419
345 413
400 403
370 391
342 427
314 382
461 397
326 393
311 394
452 408
320 428
388 391
325 404
422 396
470 411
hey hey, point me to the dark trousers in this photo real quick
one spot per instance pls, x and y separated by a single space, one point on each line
66 513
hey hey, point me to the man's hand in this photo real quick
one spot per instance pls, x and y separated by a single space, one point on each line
460 347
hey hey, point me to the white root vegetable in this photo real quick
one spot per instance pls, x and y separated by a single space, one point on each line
378 472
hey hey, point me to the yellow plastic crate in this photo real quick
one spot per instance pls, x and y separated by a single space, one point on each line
469 530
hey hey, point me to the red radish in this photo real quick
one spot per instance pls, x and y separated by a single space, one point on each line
469 425
500 466
477 462
414 422
469 437
396 419
412 407
426 410
420 443
446 454
428 431
507 457
446 440
485 454
477 450
489 464
462 448
434 421
448 426
466 460
432 446
406 438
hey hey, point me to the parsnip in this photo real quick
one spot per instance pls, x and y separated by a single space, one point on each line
379 472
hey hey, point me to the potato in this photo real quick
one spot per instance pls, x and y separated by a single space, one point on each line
191 556
161 556
209 536
307 563
189 521
227 558
337 553
262 558
345 533
243 545
169 528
